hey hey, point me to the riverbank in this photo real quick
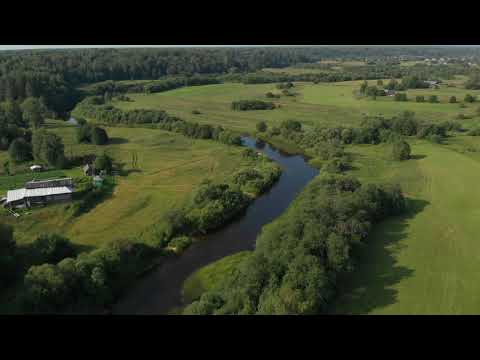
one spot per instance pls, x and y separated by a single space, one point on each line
160 291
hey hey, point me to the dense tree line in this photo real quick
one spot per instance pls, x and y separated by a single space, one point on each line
372 130
245 105
54 75
87 282
298 257
95 108
149 87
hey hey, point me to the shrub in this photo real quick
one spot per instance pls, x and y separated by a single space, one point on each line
434 138
452 100
401 97
261 126
104 162
335 165
52 248
470 98
196 112
433 99
401 150
291 125
244 105
180 243
420 98
99 136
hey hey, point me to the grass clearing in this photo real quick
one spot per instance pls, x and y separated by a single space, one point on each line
169 167
423 262
209 276
327 104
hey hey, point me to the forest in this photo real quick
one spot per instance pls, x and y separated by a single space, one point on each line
55 75
294 267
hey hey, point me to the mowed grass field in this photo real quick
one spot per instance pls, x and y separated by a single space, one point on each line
169 167
329 104
427 261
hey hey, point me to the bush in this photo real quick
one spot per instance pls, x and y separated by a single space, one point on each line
452 100
180 243
401 97
261 126
401 150
90 134
335 166
420 98
291 125
271 95
52 248
437 139
470 98
244 105
196 112
99 136
433 99
104 162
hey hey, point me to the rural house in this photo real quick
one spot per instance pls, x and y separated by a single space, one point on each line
40 193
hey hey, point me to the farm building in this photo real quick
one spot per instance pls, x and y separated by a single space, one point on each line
36 168
97 181
40 193
389 92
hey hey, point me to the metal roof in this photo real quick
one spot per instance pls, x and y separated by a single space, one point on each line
19 194
49 183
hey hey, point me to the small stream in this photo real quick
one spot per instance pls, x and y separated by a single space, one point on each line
160 291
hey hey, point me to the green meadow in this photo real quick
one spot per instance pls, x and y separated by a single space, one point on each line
315 104
169 167
421 263
424 262
209 276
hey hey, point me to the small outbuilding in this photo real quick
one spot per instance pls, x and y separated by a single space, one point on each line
88 170
97 181
36 168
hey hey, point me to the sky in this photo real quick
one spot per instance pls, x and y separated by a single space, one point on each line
24 47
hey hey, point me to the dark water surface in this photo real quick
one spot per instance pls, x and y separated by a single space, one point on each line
160 291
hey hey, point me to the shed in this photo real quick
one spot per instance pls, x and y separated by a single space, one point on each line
97 181
36 167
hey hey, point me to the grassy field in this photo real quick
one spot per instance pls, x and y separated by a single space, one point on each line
209 276
424 262
328 104
421 263
169 167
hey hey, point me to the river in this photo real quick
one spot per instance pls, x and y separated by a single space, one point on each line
160 291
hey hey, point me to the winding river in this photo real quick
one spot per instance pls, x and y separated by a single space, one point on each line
160 291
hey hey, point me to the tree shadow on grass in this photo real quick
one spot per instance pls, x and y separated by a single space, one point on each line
417 157
117 140
79 248
121 171
370 285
